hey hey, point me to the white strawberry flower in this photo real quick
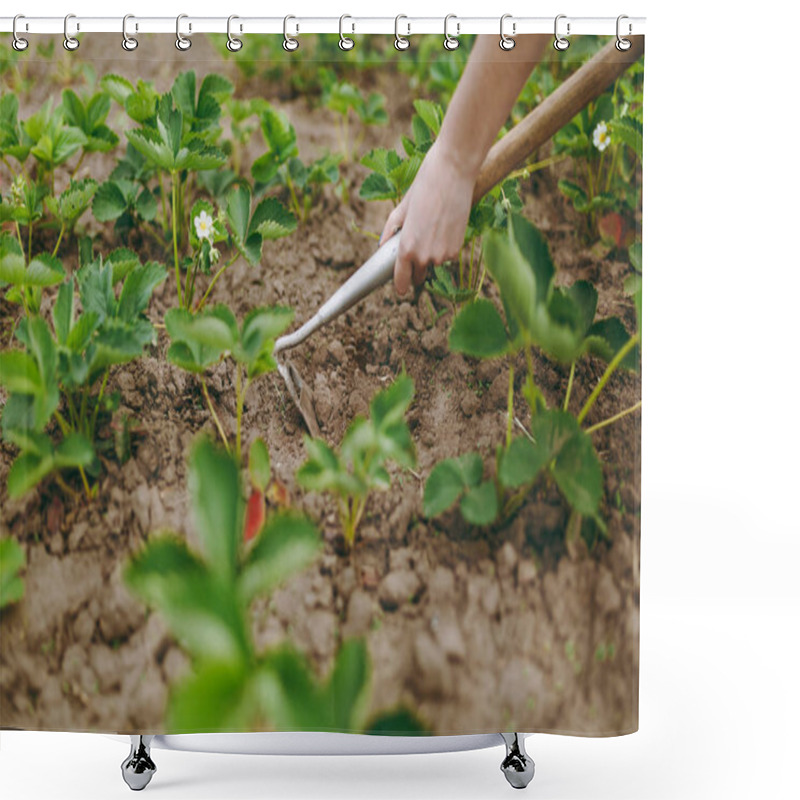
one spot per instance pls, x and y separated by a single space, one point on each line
601 137
204 225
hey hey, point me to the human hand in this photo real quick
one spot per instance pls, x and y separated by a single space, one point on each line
432 217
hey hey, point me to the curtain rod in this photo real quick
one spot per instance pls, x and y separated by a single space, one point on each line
297 25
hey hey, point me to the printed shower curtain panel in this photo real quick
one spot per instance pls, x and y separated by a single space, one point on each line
421 519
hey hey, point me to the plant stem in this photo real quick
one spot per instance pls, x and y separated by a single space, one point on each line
295 202
612 167
214 413
239 409
524 172
19 237
613 364
78 165
97 403
569 386
471 262
164 222
30 240
215 279
620 415
62 423
58 241
175 237
510 404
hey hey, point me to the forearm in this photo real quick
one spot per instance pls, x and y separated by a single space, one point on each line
491 82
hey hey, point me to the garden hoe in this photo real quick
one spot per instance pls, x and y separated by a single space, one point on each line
555 111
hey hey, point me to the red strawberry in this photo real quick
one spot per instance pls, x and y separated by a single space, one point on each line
256 514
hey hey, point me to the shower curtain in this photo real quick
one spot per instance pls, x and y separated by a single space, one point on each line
422 520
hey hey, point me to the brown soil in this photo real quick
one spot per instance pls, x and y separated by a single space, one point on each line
477 631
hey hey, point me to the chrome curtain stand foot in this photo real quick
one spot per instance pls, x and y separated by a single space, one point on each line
517 766
138 768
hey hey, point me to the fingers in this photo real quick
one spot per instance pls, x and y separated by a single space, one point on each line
394 222
403 269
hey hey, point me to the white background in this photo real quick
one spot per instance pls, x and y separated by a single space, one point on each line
720 695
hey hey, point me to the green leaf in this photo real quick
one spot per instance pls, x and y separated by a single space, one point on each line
396 722
628 131
75 199
216 495
521 462
118 87
479 505
509 267
75 450
44 270
195 600
566 450
430 113
478 330
287 544
63 312
448 480
19 372
217 696
110 202
259 465
12 560
348 685
138 288
272 220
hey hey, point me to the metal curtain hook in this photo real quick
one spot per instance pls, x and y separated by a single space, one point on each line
345 42
506 42
70 42
290 44
233 44
181 41
400 42
450 42
622 44
128 42
17 42
560 42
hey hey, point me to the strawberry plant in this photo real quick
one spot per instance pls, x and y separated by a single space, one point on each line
347 101
604 142
368 446
561 324
392 175
170 146
202 340
12 560
280 165
56 372
26 278
205 595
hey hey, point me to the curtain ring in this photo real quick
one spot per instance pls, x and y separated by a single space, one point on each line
17 42
560 43
70 42
290 44
345 42
400 42
181 41
129 43
622 44
450 42
233 44
506 42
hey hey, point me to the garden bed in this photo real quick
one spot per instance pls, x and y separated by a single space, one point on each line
460 622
